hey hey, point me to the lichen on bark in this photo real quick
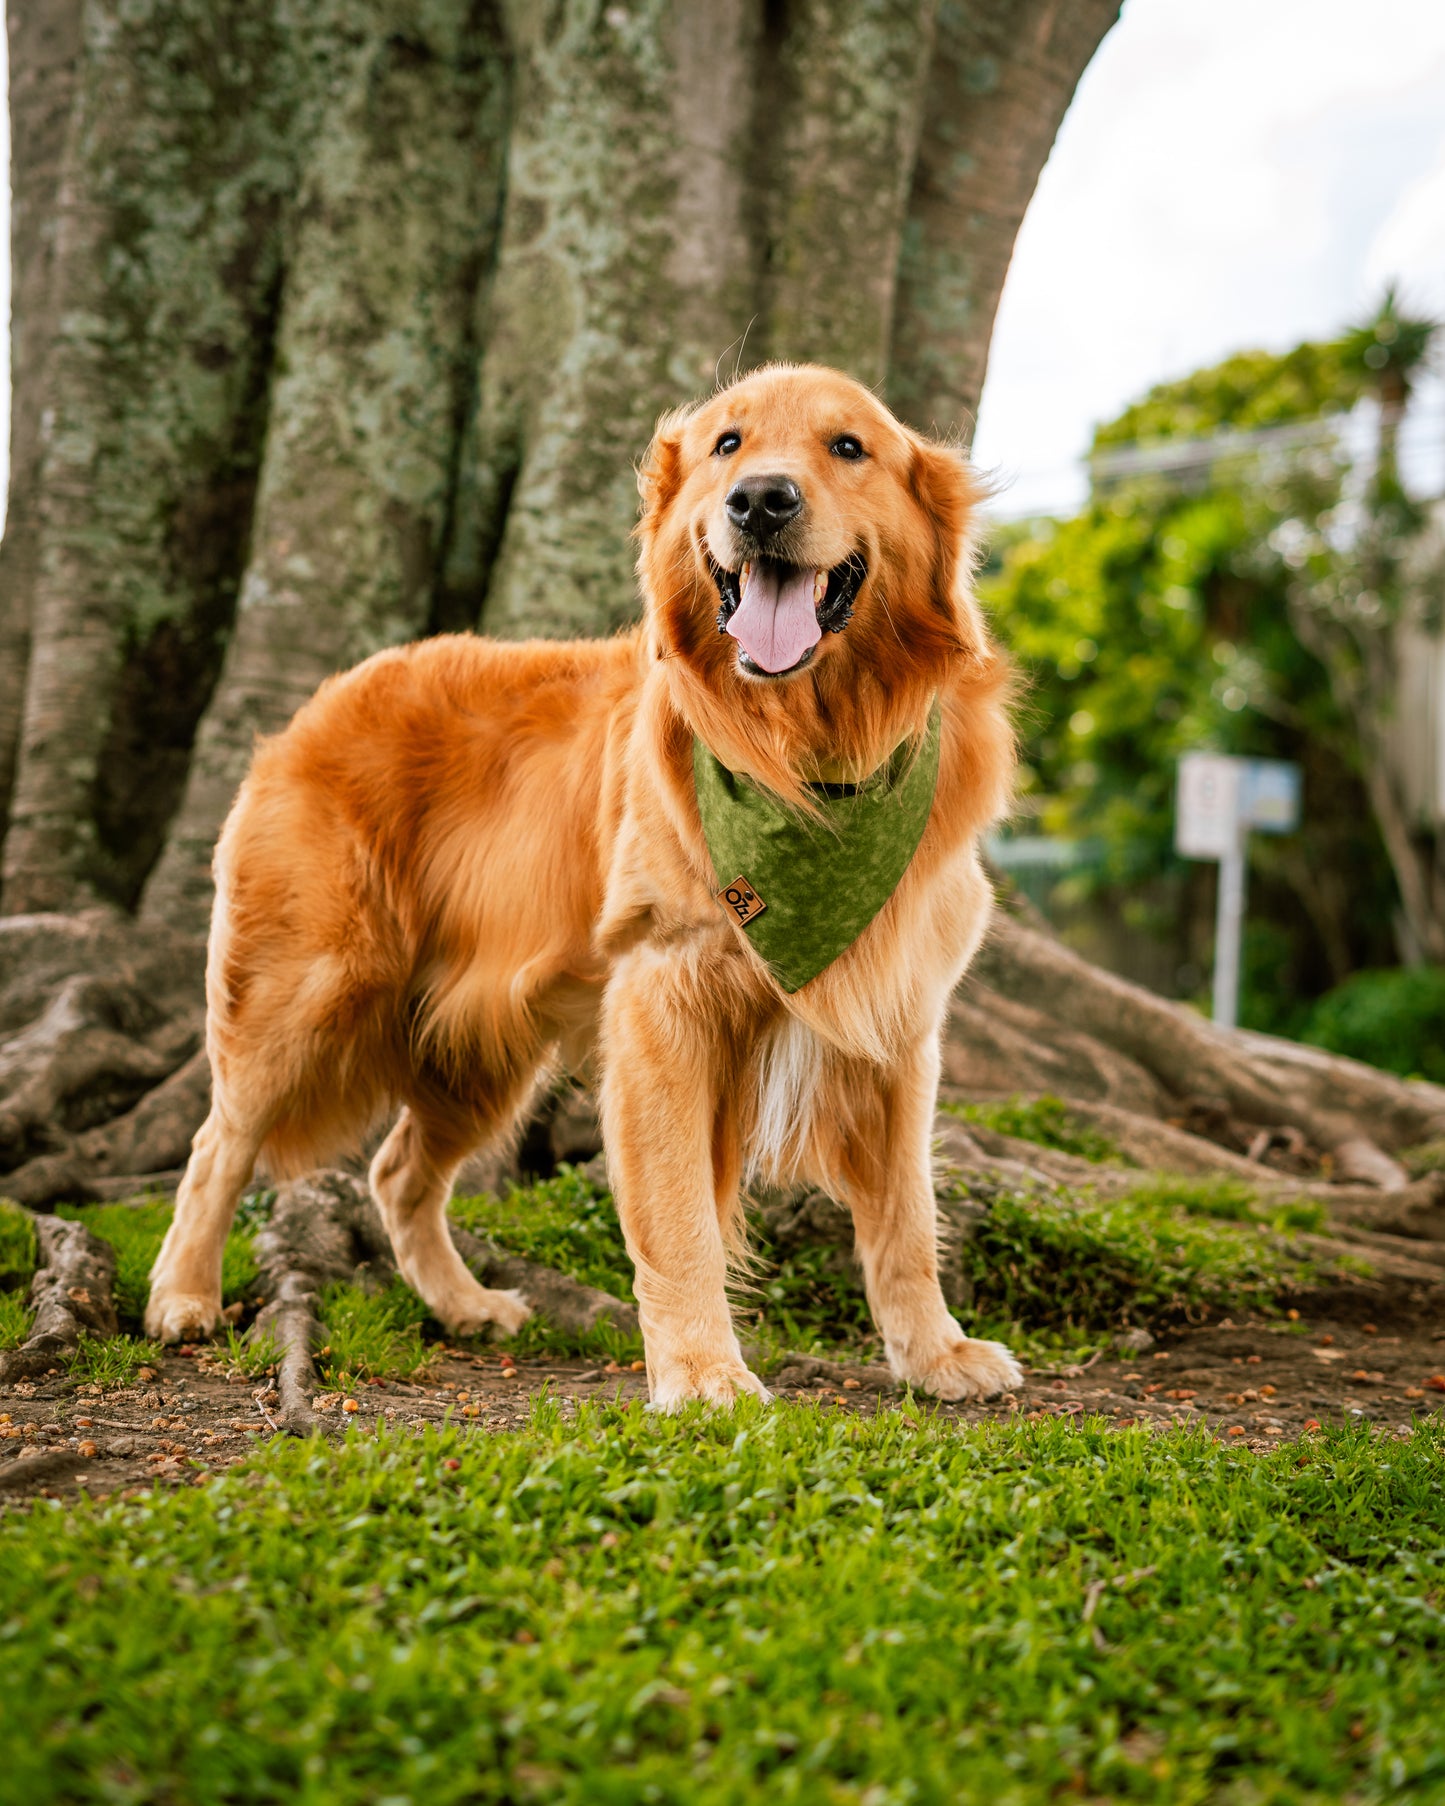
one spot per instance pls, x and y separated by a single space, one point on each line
163 260
390 227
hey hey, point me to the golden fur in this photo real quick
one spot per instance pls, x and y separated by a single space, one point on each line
466 863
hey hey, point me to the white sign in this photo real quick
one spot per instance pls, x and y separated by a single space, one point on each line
1206 824
1219 800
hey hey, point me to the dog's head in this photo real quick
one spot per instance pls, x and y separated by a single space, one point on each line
806 562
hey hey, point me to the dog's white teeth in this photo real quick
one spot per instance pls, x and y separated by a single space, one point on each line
820 586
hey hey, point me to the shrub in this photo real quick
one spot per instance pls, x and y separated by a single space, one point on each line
1393 1019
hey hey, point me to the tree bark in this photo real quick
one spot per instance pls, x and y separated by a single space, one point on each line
44 47
1000 81
163 261
393 223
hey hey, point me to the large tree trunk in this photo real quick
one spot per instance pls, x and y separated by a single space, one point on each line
340 325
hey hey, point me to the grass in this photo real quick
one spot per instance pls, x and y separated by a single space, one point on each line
1046 1121
18 1257
794 1605
1044 1273
571 1224
14 1319
371 1335
113 1361
18 1251
250 1354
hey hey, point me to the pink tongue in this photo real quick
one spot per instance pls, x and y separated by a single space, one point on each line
775 622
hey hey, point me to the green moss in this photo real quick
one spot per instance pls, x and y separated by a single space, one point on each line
1045 1120
1090 1265
1429 1157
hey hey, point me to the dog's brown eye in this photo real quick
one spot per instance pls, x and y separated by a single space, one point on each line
727 445
846 446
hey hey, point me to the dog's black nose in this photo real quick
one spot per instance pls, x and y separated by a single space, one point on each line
762 506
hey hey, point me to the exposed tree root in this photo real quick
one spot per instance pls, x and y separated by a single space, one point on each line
291 1318
73 1290
102 1073
51 1468
1035 1017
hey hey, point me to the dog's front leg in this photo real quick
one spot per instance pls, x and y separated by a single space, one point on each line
889 1187
662 1073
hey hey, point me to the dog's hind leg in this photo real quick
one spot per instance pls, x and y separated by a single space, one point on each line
411 1180
185 1294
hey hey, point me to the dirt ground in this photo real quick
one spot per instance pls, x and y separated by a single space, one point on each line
1256 1382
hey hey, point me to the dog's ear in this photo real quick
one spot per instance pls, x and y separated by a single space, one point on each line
950 493
660 474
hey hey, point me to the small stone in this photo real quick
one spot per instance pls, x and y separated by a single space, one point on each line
145 1373
1236 1429
639 1366
87 1449
852 1385
1414 1392
1312 1423
349 1405
1436 1382
1133 1341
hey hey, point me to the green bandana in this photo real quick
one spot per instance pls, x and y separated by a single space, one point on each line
803 891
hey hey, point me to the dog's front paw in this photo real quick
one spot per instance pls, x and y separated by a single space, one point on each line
963 1369
714 1382
181 1316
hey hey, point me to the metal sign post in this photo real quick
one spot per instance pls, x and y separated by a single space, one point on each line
1219 800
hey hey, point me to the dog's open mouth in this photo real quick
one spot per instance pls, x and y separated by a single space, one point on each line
778 612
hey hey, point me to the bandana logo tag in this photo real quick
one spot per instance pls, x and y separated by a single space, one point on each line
741 901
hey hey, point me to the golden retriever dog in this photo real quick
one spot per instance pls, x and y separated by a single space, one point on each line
466 865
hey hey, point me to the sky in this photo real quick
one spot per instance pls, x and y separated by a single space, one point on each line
1231 173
